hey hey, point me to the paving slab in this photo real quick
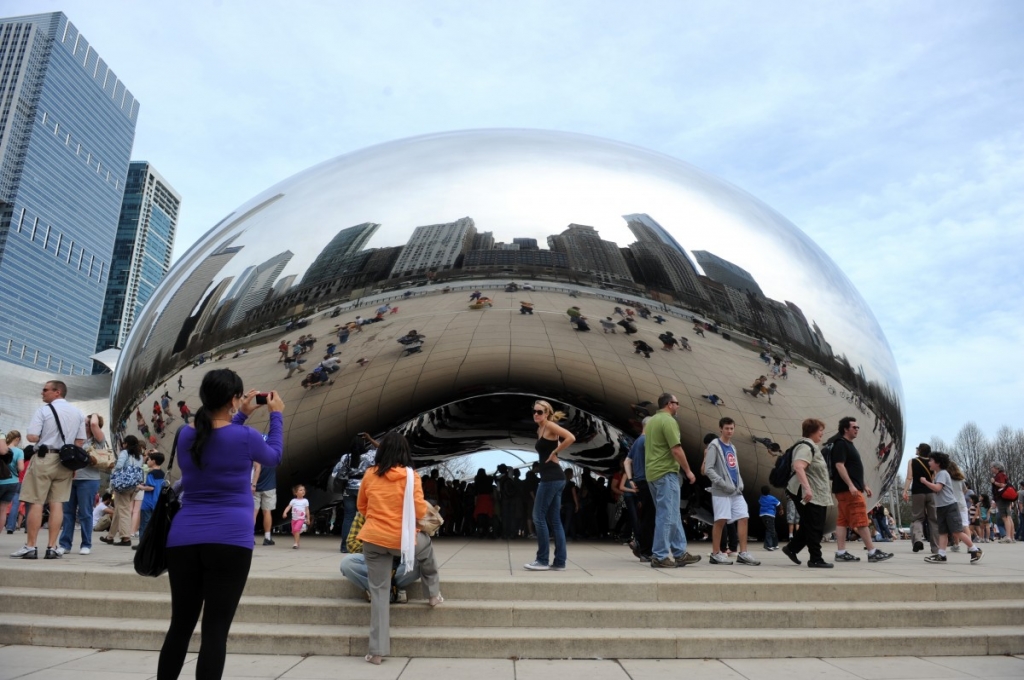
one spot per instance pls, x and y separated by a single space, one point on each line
983 666
639 669
349 668
433 669
787 669
896 668
570 670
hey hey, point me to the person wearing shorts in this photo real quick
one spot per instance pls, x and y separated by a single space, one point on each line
947 511
722 467
851 493
792 518
264 497
47 481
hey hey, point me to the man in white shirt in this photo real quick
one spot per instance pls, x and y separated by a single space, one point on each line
47 480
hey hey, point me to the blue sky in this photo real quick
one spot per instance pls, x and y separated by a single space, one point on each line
890 132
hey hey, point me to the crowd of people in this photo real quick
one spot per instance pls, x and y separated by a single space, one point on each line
388 514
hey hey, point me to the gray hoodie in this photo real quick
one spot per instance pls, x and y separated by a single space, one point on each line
717 471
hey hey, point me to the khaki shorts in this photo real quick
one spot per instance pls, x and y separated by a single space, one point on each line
853 510
47 481
264 500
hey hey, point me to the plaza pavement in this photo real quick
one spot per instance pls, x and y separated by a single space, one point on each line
65 663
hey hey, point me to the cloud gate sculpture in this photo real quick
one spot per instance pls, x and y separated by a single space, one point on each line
459 256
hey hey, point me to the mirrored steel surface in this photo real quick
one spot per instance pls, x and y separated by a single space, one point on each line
308 256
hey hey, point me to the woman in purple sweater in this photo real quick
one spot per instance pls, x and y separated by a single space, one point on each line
209 548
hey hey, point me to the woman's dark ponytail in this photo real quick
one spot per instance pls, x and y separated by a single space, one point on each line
219 387
203 425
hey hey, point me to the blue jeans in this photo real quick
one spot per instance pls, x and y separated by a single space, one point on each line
144 517
349 505
12 514
547 519
669 538
353 567
83 493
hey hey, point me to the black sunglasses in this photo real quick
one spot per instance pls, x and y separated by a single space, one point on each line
539 412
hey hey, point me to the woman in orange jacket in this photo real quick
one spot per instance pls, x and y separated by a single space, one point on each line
391 499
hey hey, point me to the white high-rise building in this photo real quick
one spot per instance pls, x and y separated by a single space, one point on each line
435 248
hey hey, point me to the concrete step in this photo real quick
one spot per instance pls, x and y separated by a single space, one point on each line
518 614
675 585
540 643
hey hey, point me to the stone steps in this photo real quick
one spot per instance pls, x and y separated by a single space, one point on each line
260 609
644 614
554 643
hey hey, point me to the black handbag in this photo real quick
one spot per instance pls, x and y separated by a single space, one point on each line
72 456
151 554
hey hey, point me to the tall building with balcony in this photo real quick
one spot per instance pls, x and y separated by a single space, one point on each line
67 125
588 253
142 250
435 248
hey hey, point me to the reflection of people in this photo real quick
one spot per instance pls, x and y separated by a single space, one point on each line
547 512
757 387
811 493
641 347
391 499
577 320
525 307
999 484
209 547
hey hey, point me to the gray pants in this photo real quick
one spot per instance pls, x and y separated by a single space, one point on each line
922 505
378 572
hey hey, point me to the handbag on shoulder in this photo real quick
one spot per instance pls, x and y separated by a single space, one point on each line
151 555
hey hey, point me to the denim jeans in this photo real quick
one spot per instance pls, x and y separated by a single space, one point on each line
771 538
144 517
547 520
349 506
669 538
12 514
83 493
353 567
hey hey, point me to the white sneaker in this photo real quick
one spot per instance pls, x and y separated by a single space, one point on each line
536 566
84 551
59 550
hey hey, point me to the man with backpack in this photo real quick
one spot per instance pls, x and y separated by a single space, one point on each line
851 493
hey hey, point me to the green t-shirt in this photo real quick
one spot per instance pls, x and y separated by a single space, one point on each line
662 435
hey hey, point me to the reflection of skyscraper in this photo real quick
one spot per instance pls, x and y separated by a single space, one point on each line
255 285
67 124
663 260
726 272
483 241
589 253
282 286
332 258
435 247
526 243
163 336
142 251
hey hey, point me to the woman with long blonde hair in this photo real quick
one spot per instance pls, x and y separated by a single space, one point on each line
552 439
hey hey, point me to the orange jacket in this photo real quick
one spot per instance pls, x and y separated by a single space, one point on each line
380 500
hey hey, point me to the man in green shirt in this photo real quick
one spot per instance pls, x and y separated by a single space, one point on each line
663 457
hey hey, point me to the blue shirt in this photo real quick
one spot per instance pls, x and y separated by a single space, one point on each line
155 479
729 451
636 455
16 455
768 505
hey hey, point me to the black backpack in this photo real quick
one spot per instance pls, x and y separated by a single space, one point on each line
340 475
6 461
826 453
783 471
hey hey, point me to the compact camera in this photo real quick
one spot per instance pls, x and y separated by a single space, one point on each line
261 398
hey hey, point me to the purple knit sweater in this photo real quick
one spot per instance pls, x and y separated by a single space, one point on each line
216 505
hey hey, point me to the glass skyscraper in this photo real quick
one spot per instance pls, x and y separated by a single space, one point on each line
67 124
142 250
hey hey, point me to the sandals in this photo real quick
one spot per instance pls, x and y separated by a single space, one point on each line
375 659
436 600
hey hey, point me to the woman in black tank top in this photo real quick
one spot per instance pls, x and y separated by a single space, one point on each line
547 506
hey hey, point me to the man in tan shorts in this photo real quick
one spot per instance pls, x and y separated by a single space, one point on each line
47 480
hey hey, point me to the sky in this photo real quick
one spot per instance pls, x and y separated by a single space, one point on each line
891 133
